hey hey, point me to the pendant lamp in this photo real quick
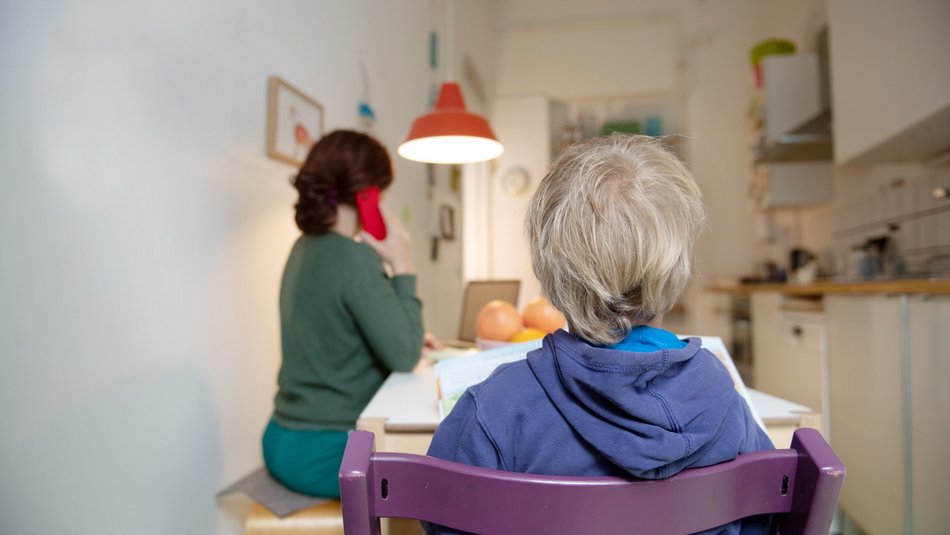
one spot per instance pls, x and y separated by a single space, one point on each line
449 133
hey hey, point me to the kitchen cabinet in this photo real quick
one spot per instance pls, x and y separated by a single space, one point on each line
789 360
890 81
791 97
792 138
866 400
888 370
785 184
929 344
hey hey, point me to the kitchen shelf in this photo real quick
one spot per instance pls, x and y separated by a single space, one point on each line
812 141
792 139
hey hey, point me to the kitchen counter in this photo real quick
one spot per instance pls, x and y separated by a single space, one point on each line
900 286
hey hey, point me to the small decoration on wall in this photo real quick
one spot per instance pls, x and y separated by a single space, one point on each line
294 122
433 50
455 179
447 222
367 115
430 181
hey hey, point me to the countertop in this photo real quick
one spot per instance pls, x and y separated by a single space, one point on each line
900 286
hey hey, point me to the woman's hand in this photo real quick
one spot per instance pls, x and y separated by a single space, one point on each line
429 341
396 249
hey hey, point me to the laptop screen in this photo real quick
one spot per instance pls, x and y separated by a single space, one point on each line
477 294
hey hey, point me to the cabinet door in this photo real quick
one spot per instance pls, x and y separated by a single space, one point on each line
930 413
766 343
787 360
889 78
792 93
801 372
797 184
866 404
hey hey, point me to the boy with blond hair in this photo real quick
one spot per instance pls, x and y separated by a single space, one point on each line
611 230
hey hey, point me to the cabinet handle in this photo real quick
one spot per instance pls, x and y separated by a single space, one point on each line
796 331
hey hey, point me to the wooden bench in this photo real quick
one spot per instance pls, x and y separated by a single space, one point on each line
321 519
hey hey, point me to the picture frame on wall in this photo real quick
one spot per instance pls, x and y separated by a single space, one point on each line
294 122
447 222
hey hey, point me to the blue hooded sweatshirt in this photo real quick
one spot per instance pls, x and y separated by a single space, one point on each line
648 407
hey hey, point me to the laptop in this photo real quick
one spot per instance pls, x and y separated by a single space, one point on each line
477 294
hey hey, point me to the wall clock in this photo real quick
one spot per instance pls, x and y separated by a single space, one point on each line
515 181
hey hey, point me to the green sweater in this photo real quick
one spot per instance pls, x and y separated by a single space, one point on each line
344 326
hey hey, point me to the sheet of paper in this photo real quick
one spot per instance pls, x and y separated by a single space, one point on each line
437 355
453 376
717 347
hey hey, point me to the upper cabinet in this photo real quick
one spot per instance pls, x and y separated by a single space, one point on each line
890 79
791 126
795 121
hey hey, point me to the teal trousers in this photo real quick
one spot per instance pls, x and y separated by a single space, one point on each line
305 461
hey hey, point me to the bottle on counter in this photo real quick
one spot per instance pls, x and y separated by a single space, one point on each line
861 264
892 256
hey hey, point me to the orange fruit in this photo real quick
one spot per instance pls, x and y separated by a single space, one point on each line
498 320
527 334
541 314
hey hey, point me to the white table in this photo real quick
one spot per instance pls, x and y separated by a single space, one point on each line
403 414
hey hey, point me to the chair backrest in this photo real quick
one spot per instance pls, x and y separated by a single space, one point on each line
477 293
800 485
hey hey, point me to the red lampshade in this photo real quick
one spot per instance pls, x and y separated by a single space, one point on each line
450 134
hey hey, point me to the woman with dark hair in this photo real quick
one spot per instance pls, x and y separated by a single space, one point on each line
345 324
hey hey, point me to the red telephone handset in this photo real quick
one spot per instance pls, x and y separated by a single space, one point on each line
367 205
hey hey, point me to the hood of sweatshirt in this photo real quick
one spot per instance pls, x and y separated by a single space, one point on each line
652 414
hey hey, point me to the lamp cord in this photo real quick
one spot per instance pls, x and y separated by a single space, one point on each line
449 41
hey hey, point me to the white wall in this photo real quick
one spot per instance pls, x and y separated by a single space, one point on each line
142 236
587 57
520 121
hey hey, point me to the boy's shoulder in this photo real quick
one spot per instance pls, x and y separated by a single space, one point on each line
504 378
512 387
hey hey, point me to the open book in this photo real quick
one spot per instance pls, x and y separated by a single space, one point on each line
456 374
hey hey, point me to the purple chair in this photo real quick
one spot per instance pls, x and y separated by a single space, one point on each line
800 485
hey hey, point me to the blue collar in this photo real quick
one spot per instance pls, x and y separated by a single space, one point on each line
645 339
